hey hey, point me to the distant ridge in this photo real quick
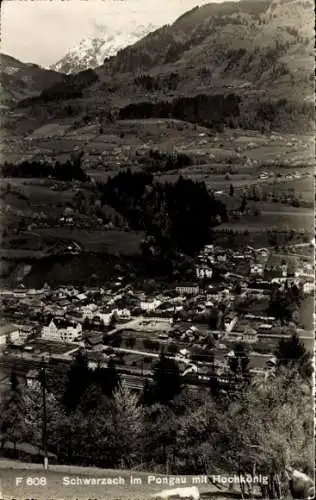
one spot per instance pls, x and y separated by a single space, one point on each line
21 80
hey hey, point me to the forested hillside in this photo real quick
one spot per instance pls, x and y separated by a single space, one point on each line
20 80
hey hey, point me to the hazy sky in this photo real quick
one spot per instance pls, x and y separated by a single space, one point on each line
42 31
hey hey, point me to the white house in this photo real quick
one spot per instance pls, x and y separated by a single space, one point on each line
209 248
71 334
104 317
204 272
122 314
89 311
151 305
308 287
187 290
65 335
50 331
256 269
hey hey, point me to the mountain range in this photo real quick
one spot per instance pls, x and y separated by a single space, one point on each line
93 50
259 50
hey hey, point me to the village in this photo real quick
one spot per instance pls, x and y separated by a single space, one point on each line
197 323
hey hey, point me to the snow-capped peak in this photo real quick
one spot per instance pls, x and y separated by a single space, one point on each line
104 43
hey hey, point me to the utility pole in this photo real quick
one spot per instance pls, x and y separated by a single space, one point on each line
44 429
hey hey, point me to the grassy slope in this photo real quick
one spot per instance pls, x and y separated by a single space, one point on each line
55 488
243 42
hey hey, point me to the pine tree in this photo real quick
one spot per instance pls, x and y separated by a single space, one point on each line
292 353
78 379
243 204
56 380
239 369
166 380
108 378
91 431
86 325
146 398
194 437
159 434
113 321
14 381
214 384
127 422
12 416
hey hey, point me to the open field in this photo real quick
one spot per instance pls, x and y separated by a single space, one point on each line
121 139
280 220
111 242
236 157
283 186
41 195
35 246
35 196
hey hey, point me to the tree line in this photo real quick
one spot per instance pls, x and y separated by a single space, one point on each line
67 171
151 83
221 110
206 110
156 160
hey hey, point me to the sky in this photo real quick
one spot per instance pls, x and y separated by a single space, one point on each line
42 31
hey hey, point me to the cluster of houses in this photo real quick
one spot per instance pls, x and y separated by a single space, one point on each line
250 261
180 314
14 334
255 265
